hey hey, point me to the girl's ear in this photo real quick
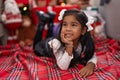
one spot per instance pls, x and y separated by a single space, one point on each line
84 30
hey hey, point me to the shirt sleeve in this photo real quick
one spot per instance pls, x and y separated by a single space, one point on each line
93 59
64 60
62 57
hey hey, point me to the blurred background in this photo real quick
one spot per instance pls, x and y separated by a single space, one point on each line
20 19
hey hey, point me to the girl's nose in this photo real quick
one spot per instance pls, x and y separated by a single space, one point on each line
68 27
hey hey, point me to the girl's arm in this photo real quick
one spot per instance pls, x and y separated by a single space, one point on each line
93 59
63 61
89 68
63 57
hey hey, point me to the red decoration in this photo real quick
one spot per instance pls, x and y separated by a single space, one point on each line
57 9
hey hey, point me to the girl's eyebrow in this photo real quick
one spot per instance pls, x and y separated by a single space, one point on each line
71 22
75 22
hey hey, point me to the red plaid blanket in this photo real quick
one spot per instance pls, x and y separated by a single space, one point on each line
22 64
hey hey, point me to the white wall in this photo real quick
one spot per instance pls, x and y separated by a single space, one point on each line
111 12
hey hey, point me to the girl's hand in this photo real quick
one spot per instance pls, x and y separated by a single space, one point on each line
68 44
67 41
87 70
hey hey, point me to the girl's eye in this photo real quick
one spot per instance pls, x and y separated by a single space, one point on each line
64 24
74 25
70 25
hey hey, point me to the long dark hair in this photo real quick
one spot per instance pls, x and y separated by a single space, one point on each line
85 40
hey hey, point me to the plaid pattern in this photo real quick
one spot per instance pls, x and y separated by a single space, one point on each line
22 64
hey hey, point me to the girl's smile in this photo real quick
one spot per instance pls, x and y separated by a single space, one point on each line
68 35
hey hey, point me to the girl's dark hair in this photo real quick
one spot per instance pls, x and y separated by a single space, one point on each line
79 15
85 40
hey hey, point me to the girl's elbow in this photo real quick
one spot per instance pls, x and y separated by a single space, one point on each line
62 67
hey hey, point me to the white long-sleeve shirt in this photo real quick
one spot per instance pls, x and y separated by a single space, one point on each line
62 57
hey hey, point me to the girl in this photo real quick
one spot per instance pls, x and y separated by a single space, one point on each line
74 44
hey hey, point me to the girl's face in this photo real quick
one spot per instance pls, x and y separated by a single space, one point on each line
71 28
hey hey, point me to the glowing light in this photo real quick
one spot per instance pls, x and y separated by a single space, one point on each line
25 8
